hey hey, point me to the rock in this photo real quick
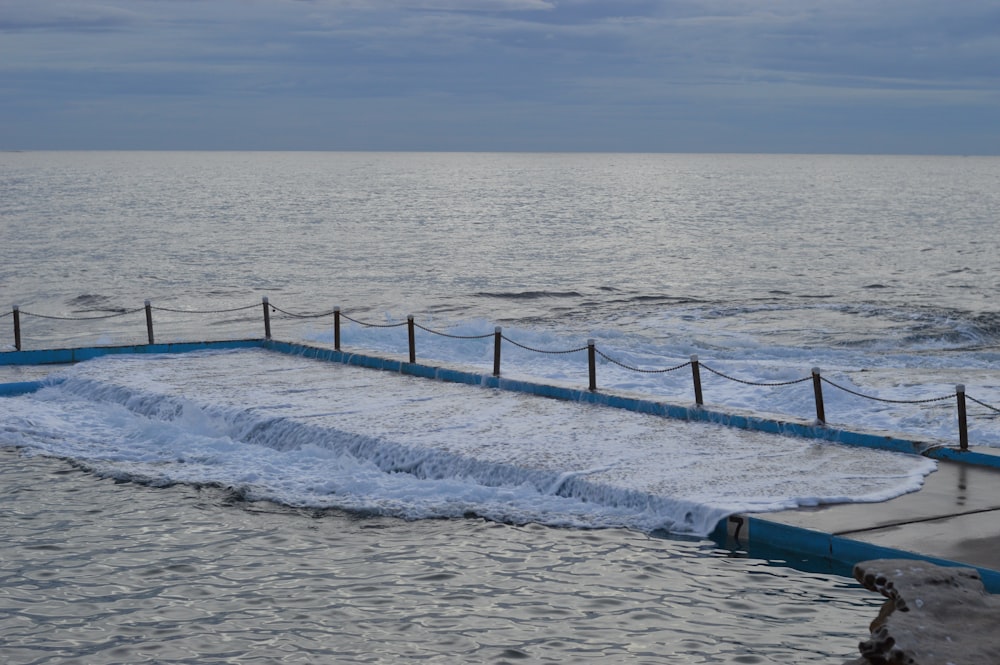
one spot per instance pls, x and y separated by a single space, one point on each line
933 615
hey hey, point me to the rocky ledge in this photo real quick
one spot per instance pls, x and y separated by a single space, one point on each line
932 615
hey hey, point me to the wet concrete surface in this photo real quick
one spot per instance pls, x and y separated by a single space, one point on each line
954 516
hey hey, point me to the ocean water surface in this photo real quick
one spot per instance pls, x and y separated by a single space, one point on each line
211 497
95 571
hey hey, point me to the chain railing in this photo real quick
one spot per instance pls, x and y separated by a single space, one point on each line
498 338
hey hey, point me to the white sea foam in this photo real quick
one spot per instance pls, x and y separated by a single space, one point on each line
310 433
892 378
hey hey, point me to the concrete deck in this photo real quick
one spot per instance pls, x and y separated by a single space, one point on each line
954 519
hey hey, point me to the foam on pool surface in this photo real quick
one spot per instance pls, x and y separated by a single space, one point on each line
311 433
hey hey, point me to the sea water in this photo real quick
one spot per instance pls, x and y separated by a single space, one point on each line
314 434
95 571
879 270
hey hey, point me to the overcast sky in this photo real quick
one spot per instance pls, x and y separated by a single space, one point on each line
868 76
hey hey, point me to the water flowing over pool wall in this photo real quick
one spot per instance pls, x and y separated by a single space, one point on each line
748 531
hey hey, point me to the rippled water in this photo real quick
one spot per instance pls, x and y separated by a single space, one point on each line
881 270
510 236
98 572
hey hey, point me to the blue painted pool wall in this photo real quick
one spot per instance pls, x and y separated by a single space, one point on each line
964 456
66 356
794 539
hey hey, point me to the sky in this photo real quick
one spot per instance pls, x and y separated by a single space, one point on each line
775 76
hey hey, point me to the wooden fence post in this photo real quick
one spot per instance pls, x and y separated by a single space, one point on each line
818 393
592 364
267 317
963 425
497 336
336 328
696 377
149 321
413 347
17 327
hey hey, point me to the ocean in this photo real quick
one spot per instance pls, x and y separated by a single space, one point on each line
236 507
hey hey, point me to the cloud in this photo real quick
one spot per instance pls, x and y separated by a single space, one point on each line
520 72
16 16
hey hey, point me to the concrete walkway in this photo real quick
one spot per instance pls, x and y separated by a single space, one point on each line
953 519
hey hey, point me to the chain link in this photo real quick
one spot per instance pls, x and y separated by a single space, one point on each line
373 325
638 369
528 348
992 408
755 383
81 318
436 332
887 401
203 311
300 316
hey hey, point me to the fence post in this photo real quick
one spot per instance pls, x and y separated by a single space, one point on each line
592 363
413 347
818 392
149 321
497 336
17 327
963 425
696 376
267 317
336 328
